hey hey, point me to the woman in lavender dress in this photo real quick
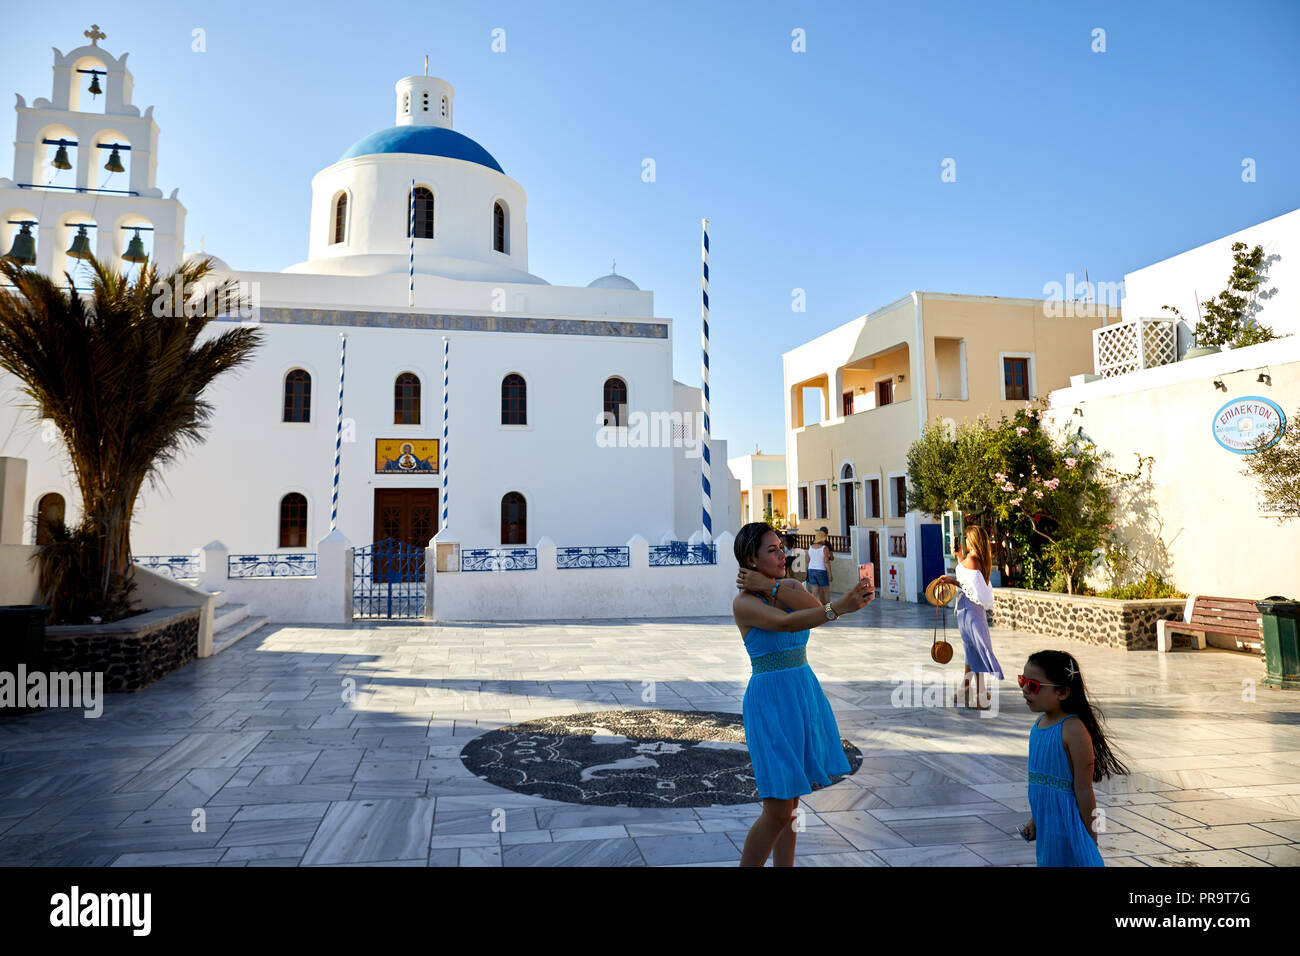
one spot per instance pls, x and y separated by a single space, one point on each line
973 601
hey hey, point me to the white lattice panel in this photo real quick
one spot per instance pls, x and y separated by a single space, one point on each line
1133 345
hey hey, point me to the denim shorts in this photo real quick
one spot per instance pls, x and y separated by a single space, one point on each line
818 579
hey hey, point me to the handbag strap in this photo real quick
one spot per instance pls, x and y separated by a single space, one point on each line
939 617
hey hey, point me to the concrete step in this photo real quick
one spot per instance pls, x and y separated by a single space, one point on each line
227 616
236 633
221 596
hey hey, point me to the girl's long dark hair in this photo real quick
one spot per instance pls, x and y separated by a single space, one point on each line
1063 670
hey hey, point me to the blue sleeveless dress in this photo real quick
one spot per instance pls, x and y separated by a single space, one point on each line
1060 836
791 732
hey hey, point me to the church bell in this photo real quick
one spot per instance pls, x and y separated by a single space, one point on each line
24 250
114 164
135 249
80 248
61 158
94 85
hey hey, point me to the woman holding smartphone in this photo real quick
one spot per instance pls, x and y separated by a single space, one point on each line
974 565
791 732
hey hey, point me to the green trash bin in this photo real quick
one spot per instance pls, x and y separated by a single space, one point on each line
22 641
1281 619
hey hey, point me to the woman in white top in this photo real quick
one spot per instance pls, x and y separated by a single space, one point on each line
819 572
973 601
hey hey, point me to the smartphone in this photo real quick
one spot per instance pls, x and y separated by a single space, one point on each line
867 572
1024 833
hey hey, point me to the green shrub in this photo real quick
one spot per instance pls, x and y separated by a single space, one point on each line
1150 588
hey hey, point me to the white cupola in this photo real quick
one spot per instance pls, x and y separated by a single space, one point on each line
424 101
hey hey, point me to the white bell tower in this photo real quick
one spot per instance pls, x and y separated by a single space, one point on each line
424 101
109 184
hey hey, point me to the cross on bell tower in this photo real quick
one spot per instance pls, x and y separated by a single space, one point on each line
94 35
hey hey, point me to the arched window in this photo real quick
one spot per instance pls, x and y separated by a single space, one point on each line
444 107
297 396
423 213
514 519
49 514
406 102
340 217
293 521
514 400
406 400
498 227
615 401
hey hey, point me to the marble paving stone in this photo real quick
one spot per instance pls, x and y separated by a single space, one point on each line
622 852
838 859
266 851
448 857
1234 836
927 796
864 831
480 856
942 830
663 829
1287 854
207 750
1010 852
372 830
938 855
1290 829
263 832
1203 858
588 833
704 848
169 857
1222 812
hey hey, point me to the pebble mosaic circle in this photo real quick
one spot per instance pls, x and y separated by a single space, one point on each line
633 758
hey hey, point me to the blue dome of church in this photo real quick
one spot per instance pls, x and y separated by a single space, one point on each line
428 140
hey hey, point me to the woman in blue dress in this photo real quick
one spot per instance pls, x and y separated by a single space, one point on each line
1068 752
790 729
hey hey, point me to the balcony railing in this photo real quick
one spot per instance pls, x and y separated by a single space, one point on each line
839 542
614 557
271 565
498 559
680 553
178 567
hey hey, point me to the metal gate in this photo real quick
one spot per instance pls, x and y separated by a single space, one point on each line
388 580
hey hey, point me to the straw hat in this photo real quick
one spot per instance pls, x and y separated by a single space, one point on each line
939 592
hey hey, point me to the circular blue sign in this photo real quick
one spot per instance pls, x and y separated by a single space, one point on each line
1238 425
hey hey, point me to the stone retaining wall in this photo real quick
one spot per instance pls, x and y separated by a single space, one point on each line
132 653
1130 625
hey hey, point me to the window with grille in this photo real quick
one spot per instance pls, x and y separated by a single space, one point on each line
615 401
514 519
297 396
514 400
821 501
340 217
423 213
498 227
293 521
1015 372
803 502
406 400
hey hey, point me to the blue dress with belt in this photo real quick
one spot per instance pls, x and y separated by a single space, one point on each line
1060 836
791 732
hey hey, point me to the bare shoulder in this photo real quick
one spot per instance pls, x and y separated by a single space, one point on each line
1073 731
971 562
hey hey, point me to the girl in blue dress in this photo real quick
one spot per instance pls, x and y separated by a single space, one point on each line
791 732
1068 752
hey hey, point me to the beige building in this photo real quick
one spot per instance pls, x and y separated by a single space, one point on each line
762 485
881 377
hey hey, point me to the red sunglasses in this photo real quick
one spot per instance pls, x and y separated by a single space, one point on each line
1034 686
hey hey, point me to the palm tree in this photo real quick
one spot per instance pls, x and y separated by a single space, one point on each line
121 373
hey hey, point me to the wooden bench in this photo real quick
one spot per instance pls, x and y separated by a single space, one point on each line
1230 623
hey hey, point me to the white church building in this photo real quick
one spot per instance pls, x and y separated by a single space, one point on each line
564 423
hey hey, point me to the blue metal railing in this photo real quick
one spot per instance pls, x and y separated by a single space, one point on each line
297 565
679 553
595 557
498 559
178 567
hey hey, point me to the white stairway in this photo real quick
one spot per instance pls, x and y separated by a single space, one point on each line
231 622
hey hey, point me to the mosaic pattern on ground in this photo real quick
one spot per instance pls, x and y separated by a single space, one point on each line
634 758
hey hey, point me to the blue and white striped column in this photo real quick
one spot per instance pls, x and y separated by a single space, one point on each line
338 434
706 468
410 298
446 351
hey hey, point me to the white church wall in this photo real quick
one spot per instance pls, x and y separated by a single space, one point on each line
548 593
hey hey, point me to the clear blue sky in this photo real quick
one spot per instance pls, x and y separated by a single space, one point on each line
818 170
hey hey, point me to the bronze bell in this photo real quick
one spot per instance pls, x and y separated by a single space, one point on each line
114 164
24 249
80 248
94 85
135 249
61 158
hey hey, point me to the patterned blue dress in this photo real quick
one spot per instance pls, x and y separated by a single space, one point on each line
1060 836
791 732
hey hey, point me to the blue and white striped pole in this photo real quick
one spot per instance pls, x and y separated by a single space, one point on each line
410 298
446 349
338 434
706 468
